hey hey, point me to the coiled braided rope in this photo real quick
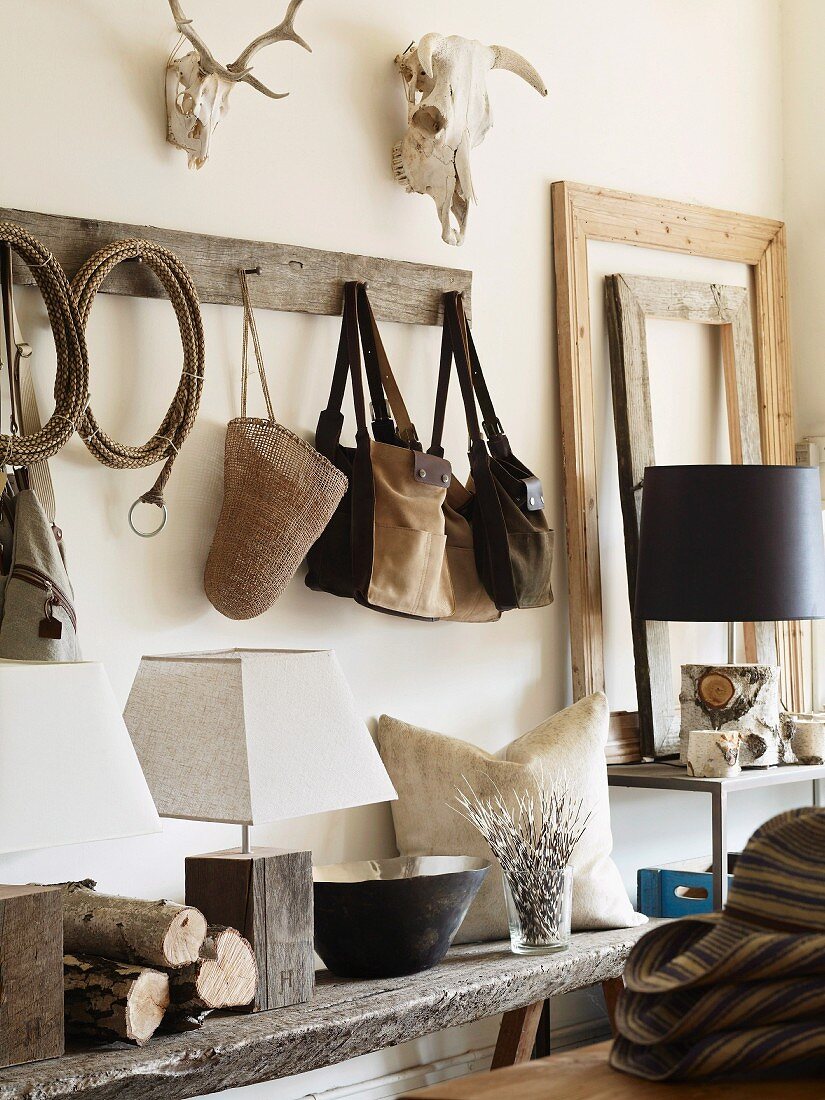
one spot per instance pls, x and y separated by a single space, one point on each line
71 383
180 416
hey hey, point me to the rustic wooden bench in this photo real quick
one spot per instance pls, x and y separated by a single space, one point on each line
344 1020
585 1075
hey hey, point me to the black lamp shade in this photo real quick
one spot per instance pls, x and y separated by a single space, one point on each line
730 544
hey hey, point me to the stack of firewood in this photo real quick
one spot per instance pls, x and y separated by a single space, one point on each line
132 966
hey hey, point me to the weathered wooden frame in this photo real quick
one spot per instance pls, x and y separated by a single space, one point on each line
293 278
582 213
630 300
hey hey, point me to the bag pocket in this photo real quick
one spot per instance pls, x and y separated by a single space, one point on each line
531 557
408 573
472 604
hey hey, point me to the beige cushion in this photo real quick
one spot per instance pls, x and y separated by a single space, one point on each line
426 768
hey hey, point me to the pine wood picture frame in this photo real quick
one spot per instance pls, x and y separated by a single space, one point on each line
630 300
582 213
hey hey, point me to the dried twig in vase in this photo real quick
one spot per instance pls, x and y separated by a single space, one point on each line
530 839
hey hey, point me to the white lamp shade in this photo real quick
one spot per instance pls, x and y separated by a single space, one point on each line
68 771
248 736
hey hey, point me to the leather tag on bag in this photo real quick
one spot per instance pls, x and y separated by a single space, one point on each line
50 628
432 470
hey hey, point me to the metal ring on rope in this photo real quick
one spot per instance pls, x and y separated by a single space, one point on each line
157 530
71 383
165 444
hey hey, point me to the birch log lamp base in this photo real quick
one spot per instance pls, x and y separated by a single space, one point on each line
284 728
734 544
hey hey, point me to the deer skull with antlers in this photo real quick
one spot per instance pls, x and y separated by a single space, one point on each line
198 86
448 114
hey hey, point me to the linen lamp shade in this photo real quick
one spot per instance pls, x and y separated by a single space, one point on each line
68 771
251 736
730 543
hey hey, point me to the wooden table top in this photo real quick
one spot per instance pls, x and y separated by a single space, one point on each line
584 1074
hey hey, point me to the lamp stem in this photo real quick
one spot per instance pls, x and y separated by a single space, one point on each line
245 849
731 643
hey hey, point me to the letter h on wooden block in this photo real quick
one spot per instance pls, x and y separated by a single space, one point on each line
267 895
31 974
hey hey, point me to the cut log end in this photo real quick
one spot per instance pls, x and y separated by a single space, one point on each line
715 690
228 980
146 1006
184 937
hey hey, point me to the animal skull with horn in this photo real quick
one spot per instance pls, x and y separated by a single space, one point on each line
198 86
448 114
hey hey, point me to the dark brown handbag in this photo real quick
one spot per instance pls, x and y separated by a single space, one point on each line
386 545
512 541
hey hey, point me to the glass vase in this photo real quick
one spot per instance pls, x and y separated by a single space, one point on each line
539 910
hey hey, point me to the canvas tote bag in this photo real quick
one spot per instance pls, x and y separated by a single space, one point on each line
386 546
512 541
279 494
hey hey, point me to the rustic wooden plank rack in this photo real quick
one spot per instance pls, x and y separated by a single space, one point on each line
344 1020
293 278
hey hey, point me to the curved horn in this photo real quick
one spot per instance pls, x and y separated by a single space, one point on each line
425 50
509 59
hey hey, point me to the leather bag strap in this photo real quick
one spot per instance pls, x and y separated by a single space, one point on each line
380 376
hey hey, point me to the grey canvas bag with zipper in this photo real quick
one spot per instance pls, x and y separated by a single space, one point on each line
37 616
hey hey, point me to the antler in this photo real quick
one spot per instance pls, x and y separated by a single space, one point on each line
284 32
504 58
208 62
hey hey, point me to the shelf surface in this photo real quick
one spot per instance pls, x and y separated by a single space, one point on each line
671 777
344 1020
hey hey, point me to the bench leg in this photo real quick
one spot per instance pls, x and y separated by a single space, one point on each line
611 989
517 1035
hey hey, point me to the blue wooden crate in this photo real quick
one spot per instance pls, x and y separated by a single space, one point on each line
677 889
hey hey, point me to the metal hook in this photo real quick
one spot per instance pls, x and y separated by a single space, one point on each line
252 270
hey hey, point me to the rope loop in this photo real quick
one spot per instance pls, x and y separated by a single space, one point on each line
71 383
165 444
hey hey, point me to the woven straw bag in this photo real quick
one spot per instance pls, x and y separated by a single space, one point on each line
279 495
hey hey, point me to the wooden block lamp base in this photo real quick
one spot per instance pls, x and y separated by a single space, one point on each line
267 895
31 974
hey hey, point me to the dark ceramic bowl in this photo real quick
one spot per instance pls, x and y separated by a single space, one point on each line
384 917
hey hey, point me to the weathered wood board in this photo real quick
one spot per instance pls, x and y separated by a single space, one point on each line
344 1020
292 278
31 974
266 895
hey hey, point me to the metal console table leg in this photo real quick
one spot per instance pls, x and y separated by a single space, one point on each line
719 799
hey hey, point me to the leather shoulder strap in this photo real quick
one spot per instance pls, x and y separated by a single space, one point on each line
380 377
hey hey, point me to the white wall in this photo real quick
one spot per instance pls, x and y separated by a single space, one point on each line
681 99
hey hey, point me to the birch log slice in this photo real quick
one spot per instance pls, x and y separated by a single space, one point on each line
225 976
107 1000
154 933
